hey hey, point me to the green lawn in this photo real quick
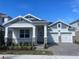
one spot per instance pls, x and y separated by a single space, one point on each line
29 52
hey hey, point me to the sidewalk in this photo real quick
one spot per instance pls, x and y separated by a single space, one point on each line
37 57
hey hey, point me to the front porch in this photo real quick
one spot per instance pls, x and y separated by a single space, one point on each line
35 35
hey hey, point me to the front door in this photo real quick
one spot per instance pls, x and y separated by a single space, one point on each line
40 34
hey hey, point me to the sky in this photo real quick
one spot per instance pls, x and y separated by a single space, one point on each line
50 10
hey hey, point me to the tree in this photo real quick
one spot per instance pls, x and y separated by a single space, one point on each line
2 37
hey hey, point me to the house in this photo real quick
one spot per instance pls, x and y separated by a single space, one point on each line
2 17
60 32
28 28
32 29
75 24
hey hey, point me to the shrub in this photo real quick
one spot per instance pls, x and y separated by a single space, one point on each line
2 38
21 46
9 41
77 42
29 47
3 47
10 48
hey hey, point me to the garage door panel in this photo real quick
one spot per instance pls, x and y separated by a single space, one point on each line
66 38
55 37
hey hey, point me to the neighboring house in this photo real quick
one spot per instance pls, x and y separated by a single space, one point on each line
2 17
1 35
75 24
26 28
60 32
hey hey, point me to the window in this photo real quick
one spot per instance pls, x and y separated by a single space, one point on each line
2 20
24 33
21 33
59 26
27 33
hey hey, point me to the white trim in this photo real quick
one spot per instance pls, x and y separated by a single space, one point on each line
59 21
27 19
14 37
24 30
45 34
6 34
16 18
45 30
32 16
34 34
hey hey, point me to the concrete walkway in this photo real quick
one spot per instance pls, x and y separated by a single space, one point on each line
37 57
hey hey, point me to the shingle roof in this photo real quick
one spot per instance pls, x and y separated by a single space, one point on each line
4 15
33 18
75 21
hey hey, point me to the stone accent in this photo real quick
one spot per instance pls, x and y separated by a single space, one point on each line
76 38
34 41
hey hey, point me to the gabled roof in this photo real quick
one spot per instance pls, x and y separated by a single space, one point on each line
59 21
14 19
32 17
74 21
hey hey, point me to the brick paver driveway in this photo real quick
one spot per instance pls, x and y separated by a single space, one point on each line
65 49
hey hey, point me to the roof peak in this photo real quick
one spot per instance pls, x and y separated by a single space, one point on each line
32 16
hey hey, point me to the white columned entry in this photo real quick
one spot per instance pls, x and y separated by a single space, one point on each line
45 34
59 36
14 40
6 35
34 36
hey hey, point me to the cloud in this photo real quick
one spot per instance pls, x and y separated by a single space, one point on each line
75 6
75 3
75 10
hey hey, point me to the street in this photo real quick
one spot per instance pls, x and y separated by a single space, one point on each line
37 57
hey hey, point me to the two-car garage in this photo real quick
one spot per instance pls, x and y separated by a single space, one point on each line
62 38
61 32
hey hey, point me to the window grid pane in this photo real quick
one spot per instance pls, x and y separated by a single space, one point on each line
21 31
26 31
21 35
24 34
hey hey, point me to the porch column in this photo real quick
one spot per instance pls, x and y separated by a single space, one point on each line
45 34
34 36
6 35
14 40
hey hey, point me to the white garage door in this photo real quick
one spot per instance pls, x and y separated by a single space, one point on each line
55 37
66 38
